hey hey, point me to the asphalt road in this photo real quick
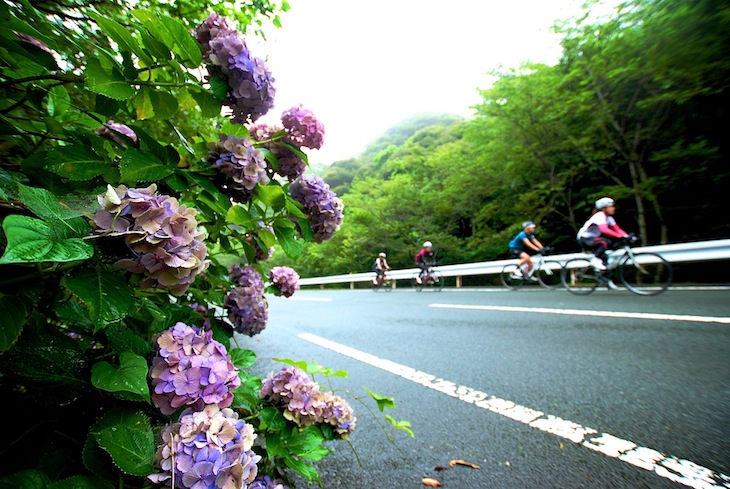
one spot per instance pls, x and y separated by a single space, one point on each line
595 398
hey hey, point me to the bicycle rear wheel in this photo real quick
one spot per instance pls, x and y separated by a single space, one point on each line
579 276
509 277
549 274
437 281
646 273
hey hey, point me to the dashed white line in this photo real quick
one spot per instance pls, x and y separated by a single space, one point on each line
672 468
583 312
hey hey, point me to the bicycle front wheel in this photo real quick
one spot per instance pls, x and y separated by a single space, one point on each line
511 277
415 282
549 274
437 281
646 273
579 276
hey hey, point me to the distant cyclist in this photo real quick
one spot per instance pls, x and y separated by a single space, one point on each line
525 240
424 260
600 231
380 266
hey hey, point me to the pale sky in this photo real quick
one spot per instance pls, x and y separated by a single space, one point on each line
363 66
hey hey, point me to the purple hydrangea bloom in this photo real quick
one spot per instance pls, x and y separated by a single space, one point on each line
261 253
242 164
290 164
163 235
212 27
246 303
210 448
305 404
322 206
303 128
266 482
111 130
191 369
285 279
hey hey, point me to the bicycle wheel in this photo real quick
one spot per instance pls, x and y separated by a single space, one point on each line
549 274
374 285
416 285
509 277
579 277
437 281
646 273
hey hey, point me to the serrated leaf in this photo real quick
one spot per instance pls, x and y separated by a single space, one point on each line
164 104
138 166
57 101
127 340
127 437
185 46
109 83
26 479
242 358
239 215
303 468
288 241
272 419
382 401
31 240
131 376
142 103
272 196
47 206
209 104
107 295
121 36
97 460
12 320
76 162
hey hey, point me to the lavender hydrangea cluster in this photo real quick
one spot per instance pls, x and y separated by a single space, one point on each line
242 164
285 279
251 238
303 128
323 208
191 369
163 235
266 482
305 404
210 448
246 303
251 90
112 130
290 164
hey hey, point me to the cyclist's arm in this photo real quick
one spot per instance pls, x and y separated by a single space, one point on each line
615 232
529 244
538 244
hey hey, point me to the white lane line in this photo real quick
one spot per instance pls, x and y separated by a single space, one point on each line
672 468
582 312
311 299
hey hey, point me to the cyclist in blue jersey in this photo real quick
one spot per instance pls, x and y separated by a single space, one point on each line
525 239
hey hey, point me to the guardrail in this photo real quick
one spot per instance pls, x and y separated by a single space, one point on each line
673 253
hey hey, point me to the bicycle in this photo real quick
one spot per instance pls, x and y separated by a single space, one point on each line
643 273
432 279
381 282
545 272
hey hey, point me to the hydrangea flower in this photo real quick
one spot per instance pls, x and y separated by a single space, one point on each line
285 279
303 128
246 303
305 404
163 235
110 130
191 369
210 448
251 86
290 164
261 253
203 311
242 164
323 208
267 482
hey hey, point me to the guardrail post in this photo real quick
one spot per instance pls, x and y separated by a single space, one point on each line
458 282
352 284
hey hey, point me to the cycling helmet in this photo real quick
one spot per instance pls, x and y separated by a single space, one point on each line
382 255
528 224
427 244
604 202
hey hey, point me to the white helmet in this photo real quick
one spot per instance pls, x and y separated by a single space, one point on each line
604 202
528 224
427 244
382 255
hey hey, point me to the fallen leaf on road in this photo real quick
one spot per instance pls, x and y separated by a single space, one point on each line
430 482
462 462
439 468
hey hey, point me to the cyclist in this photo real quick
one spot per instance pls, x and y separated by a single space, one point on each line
424 260
600 231
525 239
380 266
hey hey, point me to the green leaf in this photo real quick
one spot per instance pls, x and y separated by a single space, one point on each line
31 240
127 340
238 130
105 106
127 437
121 36
26 479
271 195
131 376
185 46
112 84
288 240
239 215
142 103
47 206
209 104
97 460
12 320
242 358
164 104
400 425
107 295
138 166
272 419
58 101
76 162
303 468
81 482
313 368
382 401
219 87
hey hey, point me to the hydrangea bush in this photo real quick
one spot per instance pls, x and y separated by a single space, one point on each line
136 221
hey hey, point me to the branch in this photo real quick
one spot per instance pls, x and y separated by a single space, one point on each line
63 78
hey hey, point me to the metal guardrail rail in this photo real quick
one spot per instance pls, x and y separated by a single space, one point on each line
673 253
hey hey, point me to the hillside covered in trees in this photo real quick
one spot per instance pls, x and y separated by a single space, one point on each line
635 109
